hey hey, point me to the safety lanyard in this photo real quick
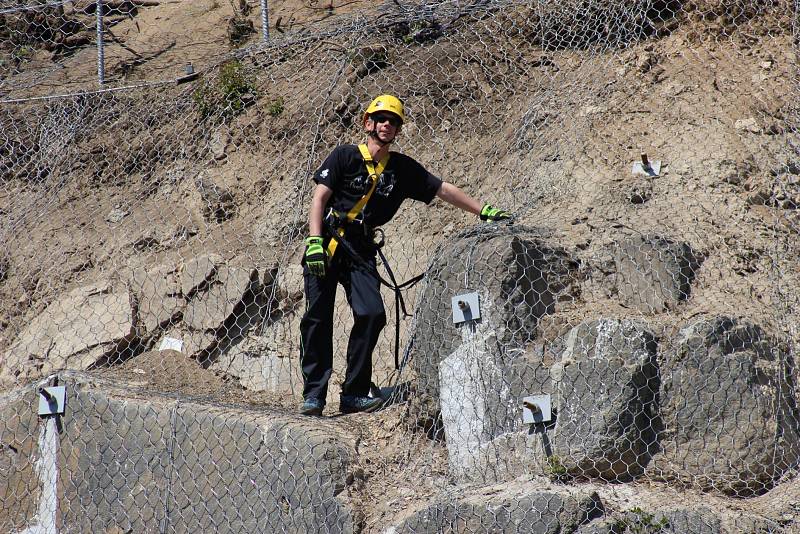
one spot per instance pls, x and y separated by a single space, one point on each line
373 172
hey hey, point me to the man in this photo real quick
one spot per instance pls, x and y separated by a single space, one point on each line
358 189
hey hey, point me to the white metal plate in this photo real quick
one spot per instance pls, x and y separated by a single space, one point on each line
466 307
58 400
170 343
541 414
652 170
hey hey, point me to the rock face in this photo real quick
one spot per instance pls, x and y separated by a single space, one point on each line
520 278
605 386
510 507
728 408
209 309
84 326
654 274
135 465
20 491
267 359
159 301
207 305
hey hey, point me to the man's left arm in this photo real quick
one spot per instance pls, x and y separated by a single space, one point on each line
458 198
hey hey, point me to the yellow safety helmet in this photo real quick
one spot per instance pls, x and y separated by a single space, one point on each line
389 103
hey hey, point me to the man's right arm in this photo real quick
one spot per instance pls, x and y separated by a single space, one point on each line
319 199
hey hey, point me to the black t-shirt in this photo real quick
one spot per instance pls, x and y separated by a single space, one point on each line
345 172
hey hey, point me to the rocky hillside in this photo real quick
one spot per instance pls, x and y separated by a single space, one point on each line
654 306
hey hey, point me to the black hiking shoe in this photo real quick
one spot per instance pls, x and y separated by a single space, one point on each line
312 407
354 404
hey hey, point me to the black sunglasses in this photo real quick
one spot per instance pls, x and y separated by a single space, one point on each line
378 118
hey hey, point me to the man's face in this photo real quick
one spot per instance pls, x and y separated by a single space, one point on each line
386 125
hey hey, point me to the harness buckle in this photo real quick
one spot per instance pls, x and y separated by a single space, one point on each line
378 241
338 219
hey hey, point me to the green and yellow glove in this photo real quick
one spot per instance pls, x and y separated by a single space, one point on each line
489 213
315 257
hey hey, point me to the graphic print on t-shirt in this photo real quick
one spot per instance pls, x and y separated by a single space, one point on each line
385 184
358 184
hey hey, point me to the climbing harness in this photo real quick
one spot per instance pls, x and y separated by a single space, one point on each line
373 172
337 222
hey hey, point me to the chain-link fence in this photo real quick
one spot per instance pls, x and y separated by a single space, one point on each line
621 358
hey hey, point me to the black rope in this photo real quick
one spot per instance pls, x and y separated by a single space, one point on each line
399 302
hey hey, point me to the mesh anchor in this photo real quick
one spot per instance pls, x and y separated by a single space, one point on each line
52 400
466 307
646 167
536 409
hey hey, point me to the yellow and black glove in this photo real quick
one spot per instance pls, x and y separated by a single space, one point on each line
488 213
315 257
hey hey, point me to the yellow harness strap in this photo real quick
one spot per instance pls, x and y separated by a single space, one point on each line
373 172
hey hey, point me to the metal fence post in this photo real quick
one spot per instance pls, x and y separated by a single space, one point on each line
264 21
101 74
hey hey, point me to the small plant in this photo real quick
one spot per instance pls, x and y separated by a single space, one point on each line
231 93
22 54
276 107
555 469
640 522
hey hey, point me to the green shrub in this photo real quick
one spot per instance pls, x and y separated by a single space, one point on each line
228 95
555 469
276 107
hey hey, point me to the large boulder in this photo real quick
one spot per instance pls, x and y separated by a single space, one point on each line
132 464
85 326
728 407
654 274
519 276
224 304
525 508
605 386
696 519
482 388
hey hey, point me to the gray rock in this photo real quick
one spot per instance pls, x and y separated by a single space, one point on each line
728 408
748 124
514 507
476 402
520 278
158 299
198 272
219 144
512 454
116 215
266 358
261 370
653 273
140 465
210 308
684 520
82 327
605 386
19 490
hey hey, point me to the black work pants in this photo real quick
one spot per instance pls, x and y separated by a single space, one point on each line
362 289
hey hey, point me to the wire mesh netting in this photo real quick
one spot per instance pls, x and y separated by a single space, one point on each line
618 358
